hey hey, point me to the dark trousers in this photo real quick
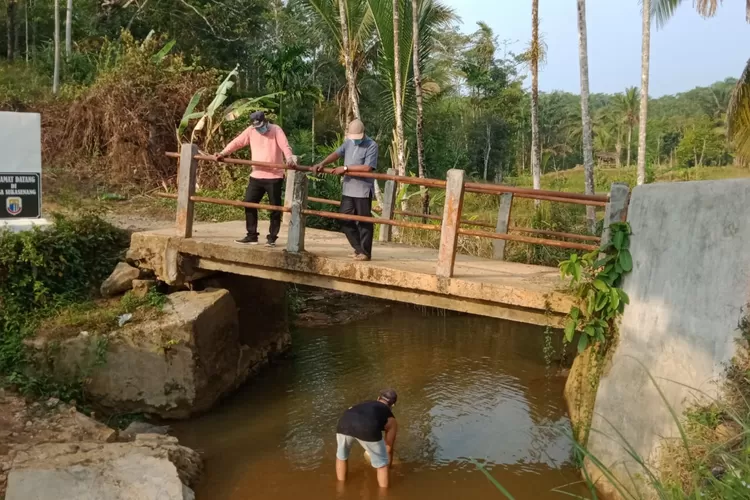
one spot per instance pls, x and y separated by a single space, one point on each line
256 188
359 234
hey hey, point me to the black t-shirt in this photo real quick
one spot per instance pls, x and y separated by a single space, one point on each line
365 421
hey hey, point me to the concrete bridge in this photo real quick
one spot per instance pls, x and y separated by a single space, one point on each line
440 278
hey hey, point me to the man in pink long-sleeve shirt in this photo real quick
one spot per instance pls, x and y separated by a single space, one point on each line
267 144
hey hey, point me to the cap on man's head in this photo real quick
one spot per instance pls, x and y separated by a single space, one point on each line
389 396
258 119
355 130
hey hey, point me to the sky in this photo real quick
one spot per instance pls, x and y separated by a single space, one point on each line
689 51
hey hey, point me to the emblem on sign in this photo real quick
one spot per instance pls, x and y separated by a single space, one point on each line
13 205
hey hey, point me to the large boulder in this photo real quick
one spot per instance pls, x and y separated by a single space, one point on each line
176 364
120 281
151 467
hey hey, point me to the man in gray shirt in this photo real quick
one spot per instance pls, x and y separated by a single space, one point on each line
360 154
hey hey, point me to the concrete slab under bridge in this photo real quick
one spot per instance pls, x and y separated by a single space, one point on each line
486 287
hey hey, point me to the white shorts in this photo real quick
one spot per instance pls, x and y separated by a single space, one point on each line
377 450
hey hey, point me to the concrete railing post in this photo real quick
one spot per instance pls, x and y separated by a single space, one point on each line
186 189
389 205
289 194
503 224
617 208
296 231
454 200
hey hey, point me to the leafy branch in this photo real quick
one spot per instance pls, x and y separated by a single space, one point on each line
596 278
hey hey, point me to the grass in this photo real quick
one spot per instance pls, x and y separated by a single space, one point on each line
99 317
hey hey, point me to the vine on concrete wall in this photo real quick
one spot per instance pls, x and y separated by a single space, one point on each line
596 278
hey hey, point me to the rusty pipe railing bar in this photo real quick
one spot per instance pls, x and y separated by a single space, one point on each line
231 203
584 237
407 213
469 186
374 220
436 183
242 204
499 189
324 201
524 239
544 198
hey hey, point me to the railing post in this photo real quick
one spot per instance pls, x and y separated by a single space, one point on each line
503 224
296 232
617 208
389 204
454 200
289 194
186 189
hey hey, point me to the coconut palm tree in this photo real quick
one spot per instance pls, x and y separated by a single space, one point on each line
69 29
398 108
346 47
645 62
10 20
588 141
738 114
418 95
394 65
56 71
349 22
536 169
627 105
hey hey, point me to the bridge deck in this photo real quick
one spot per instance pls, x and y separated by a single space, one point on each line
519 292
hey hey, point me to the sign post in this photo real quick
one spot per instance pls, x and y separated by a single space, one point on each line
20 171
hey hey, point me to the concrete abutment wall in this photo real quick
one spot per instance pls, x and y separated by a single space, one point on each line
688 288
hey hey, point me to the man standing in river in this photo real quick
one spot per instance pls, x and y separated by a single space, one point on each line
366 423
360 154
268 144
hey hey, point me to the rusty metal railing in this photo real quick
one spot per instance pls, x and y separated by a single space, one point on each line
450 229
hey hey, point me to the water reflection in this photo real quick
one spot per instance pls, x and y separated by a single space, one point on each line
468 387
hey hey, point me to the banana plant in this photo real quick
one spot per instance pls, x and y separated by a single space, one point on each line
211 119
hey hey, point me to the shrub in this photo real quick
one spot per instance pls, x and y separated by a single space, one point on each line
41 271
127 117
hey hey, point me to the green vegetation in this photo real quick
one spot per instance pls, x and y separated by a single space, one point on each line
595 278
43 273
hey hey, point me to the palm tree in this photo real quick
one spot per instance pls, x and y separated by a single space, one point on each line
349 22
394 65
398 109
662 10
346 48
69 29
627 105
645 61
535 145
418 94
738 114
588 146
10 20
56 71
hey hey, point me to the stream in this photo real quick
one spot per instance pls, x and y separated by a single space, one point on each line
469 388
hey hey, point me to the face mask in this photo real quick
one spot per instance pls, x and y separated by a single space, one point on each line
262 129
357 142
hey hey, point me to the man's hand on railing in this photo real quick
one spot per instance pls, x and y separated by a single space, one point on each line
219 157
292 161
339 170
317 168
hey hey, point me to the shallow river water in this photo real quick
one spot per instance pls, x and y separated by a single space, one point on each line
469 388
